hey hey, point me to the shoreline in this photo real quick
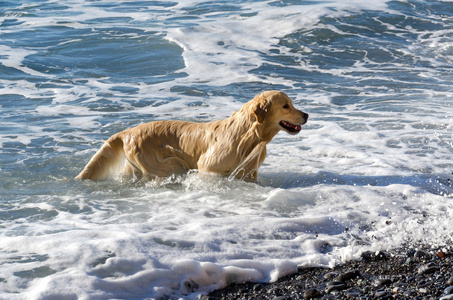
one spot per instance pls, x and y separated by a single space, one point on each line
422 273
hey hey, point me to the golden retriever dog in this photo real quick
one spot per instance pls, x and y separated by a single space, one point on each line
234 147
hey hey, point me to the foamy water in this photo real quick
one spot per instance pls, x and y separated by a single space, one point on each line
371 169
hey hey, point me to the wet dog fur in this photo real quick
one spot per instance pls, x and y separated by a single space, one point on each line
235 146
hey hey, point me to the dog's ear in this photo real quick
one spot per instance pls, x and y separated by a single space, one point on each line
259 112
259 107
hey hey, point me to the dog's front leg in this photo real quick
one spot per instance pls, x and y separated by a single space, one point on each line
248 168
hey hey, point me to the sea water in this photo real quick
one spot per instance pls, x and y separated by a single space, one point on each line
371 170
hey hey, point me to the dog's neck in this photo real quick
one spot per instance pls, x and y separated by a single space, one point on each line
248 132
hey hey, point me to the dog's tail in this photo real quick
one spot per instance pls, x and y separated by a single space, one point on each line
107 162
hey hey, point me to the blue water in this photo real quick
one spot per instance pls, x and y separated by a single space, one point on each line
375 77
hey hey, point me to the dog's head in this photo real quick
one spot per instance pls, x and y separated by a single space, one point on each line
275 111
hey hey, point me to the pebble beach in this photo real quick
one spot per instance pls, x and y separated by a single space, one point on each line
414 273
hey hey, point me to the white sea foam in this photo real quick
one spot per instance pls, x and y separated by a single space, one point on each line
14 58
224 51
163 242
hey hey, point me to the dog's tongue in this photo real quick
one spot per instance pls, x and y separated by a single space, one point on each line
296 127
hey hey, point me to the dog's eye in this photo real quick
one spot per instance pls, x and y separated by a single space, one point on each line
286 106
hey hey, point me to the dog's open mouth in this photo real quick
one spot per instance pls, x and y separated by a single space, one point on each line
290 127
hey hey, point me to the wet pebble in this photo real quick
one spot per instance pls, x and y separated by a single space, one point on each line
382 282
410 253
423 290
333 286
281 298
381 293
312 294
330 275
400 284
427 268
370 256
348 275
422 284
353 294
257 287
450 281
332 283
448 290
420 254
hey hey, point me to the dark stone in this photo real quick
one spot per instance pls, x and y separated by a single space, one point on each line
367 255
374 256
335 286
381 255
257 287
382 294
400 284
408 293
330 275
410 253
420 254
312 294
428 268
382 282
334 283
281 298
348 275
422 284
353 294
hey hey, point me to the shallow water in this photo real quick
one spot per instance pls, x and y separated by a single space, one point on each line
370 170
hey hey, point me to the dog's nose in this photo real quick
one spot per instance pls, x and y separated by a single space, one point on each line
306 116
